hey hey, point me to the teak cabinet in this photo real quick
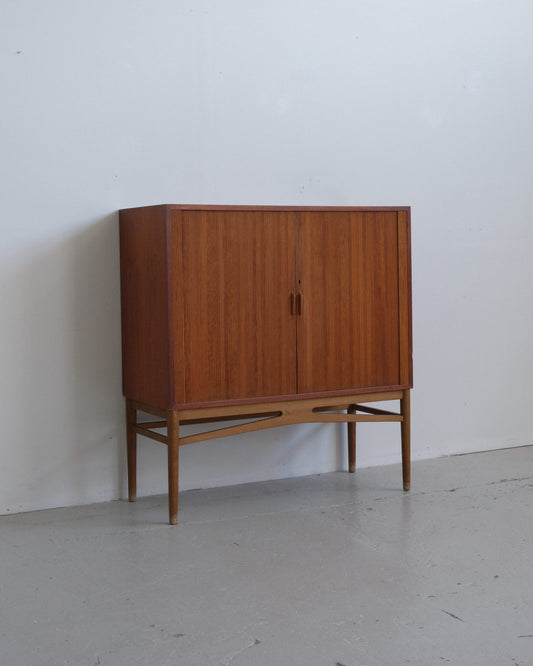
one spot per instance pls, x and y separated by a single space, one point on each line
268 314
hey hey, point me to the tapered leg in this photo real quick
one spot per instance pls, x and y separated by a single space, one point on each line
131 439
351 440
405 408
173 427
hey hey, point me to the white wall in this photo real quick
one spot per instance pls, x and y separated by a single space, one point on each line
117 103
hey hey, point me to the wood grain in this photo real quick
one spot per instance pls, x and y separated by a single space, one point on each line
234 303
238 276
173 465
348 334
131 449
144 301
351 440
405 409
404 298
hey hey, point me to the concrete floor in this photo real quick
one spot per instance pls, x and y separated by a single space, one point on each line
328 570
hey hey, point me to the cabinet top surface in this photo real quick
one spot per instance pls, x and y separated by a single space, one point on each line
273 208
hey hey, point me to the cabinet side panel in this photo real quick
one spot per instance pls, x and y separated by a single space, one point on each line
404 298
144 298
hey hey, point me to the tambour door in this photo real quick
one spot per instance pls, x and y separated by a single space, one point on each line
353 331
239 333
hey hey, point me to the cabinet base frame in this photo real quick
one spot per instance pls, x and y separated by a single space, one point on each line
344 409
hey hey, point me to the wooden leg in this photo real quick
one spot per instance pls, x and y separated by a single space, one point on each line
351 440
405 408
173 426
131 438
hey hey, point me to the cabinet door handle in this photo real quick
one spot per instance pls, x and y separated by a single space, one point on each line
291 302
299 302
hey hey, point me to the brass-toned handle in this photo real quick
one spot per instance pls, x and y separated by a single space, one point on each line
299 301
291 302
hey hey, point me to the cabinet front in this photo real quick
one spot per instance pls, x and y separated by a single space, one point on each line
349 333
239 337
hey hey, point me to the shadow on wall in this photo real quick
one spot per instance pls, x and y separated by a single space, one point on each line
275 453
65 359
